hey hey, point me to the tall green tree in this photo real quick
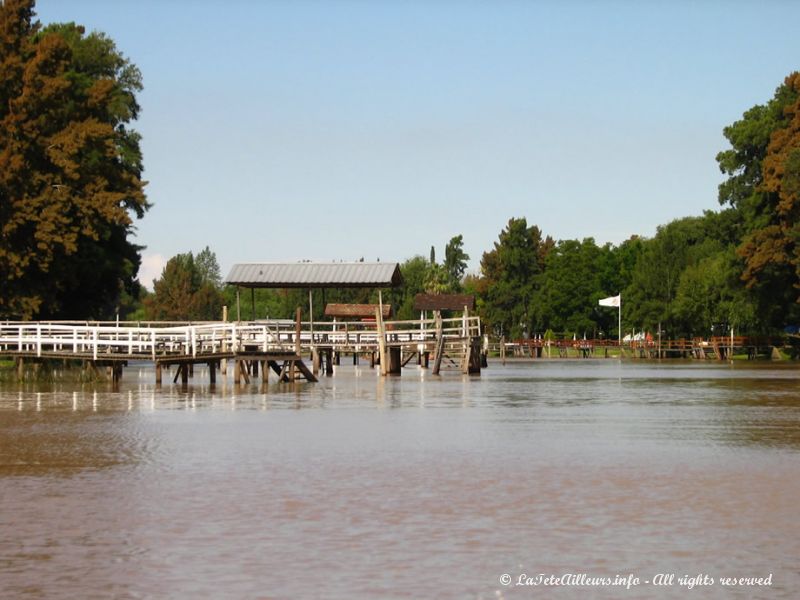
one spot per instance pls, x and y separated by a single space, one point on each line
512 269
208 267
570 287
710 294
437 280
685 243
70 169
455 261
415 275
616 264
184 292
763 184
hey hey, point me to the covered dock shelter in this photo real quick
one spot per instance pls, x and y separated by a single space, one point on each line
313 275
316 275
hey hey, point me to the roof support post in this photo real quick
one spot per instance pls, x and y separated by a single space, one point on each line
238 305
311 314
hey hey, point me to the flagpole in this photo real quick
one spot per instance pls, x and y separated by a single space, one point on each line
619 309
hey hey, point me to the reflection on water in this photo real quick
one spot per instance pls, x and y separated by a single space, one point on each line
411 487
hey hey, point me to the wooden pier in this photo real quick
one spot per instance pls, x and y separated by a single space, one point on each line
277 346
714 348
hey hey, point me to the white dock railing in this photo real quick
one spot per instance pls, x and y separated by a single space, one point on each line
98 340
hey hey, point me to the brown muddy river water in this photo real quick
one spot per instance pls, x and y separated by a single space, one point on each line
556 479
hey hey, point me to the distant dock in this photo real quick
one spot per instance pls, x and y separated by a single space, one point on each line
714 348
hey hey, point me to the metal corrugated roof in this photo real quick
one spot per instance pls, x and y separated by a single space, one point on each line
315 275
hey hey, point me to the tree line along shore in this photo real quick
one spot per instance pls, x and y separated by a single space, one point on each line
71 191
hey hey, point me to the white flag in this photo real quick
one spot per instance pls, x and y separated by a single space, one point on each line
610 301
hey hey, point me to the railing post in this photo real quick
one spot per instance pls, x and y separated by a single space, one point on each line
94 343
223 364
193 332
38 340
439 351
381 341
466 345
421 344
298 325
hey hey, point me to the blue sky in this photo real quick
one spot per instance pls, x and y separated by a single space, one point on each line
335 130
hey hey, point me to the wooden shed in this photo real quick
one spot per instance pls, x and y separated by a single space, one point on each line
444 302
356 311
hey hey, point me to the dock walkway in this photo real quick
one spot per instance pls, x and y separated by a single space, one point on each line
275 344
